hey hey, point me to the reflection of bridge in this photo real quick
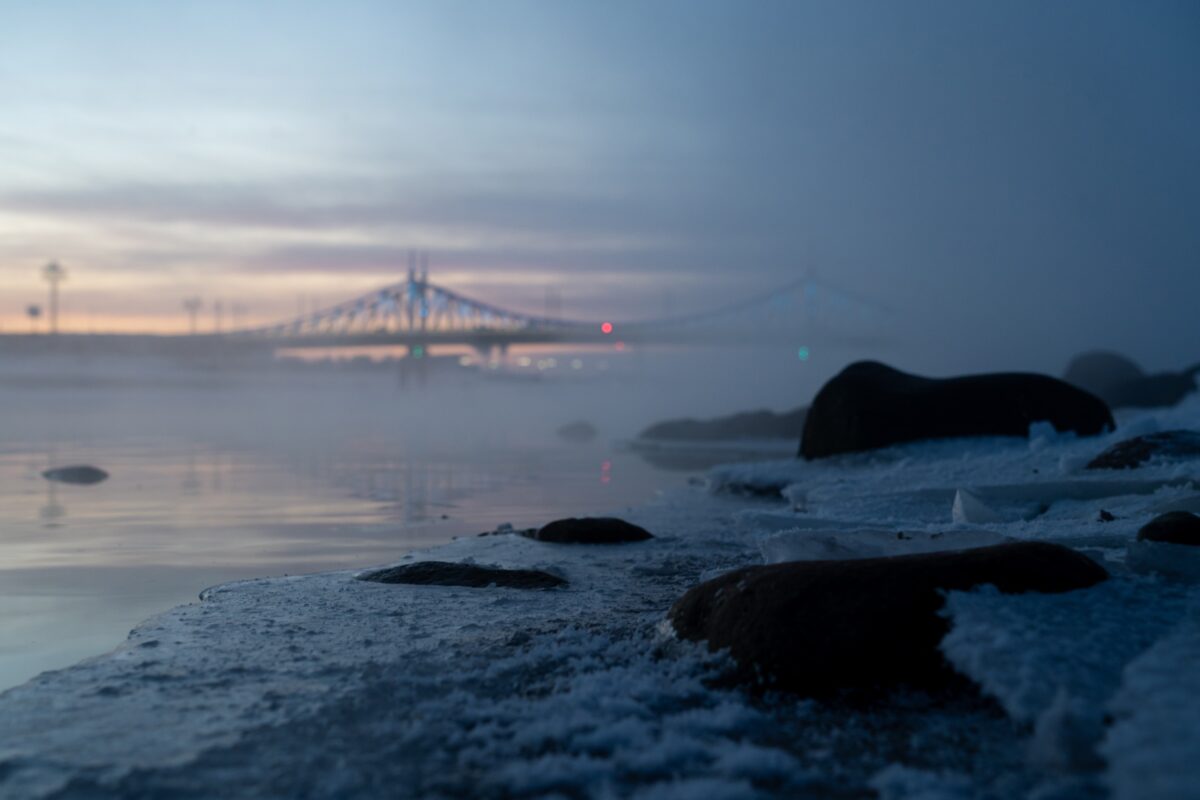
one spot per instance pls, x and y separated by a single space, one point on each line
416 312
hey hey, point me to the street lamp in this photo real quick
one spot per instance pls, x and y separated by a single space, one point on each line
192 307
54 274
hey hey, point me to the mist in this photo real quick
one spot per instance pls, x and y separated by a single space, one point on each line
693 398
1014 182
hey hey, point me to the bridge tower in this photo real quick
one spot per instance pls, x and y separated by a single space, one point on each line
409 289
423 284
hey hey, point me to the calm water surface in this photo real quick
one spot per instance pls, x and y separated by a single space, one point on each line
217 478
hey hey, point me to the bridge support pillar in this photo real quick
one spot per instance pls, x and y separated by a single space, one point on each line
414 366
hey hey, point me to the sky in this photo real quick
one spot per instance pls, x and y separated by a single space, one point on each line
1007 182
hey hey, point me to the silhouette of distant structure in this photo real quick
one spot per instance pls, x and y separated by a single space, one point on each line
54 275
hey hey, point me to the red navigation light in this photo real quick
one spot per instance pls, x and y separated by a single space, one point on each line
606 327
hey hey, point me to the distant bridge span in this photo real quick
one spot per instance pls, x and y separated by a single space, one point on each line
417 312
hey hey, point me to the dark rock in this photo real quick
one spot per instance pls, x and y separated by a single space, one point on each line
749 425
1100 370
1121 383
1140 449
869 405
1106 516
82 474
577 432
758 488
1161 390
815 627
1174 527
505 528
590 530
444 573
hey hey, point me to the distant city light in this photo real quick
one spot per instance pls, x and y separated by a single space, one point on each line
802 354
418 352
619 345
606 328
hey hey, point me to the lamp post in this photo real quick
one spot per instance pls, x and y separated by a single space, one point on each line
192 307
54 274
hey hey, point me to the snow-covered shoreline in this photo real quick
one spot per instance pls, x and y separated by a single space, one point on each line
323 685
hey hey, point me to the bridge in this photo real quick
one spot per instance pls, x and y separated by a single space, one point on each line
418 313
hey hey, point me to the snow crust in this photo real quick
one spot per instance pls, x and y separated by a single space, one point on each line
821 544
325 686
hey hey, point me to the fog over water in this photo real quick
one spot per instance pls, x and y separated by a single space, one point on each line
220 475
315 287
948 187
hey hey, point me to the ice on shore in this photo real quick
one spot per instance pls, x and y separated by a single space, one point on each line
799 544
1153 743
325 686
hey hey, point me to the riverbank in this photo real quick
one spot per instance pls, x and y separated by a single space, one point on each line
324 685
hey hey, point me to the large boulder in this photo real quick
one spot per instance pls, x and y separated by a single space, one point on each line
748 425
815 627
1099 370
1123 384
590 530
447 573
1174 527
1131 453
80 474
869 405
1160 390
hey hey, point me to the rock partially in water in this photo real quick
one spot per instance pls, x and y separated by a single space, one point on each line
870 405
1099 370
579 431
1161 390
748 425
590 530
817 627
1174 527
1123 384
506 528
1131 453
80 474
446 573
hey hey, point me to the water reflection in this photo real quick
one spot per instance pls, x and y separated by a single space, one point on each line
216 478
80 565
